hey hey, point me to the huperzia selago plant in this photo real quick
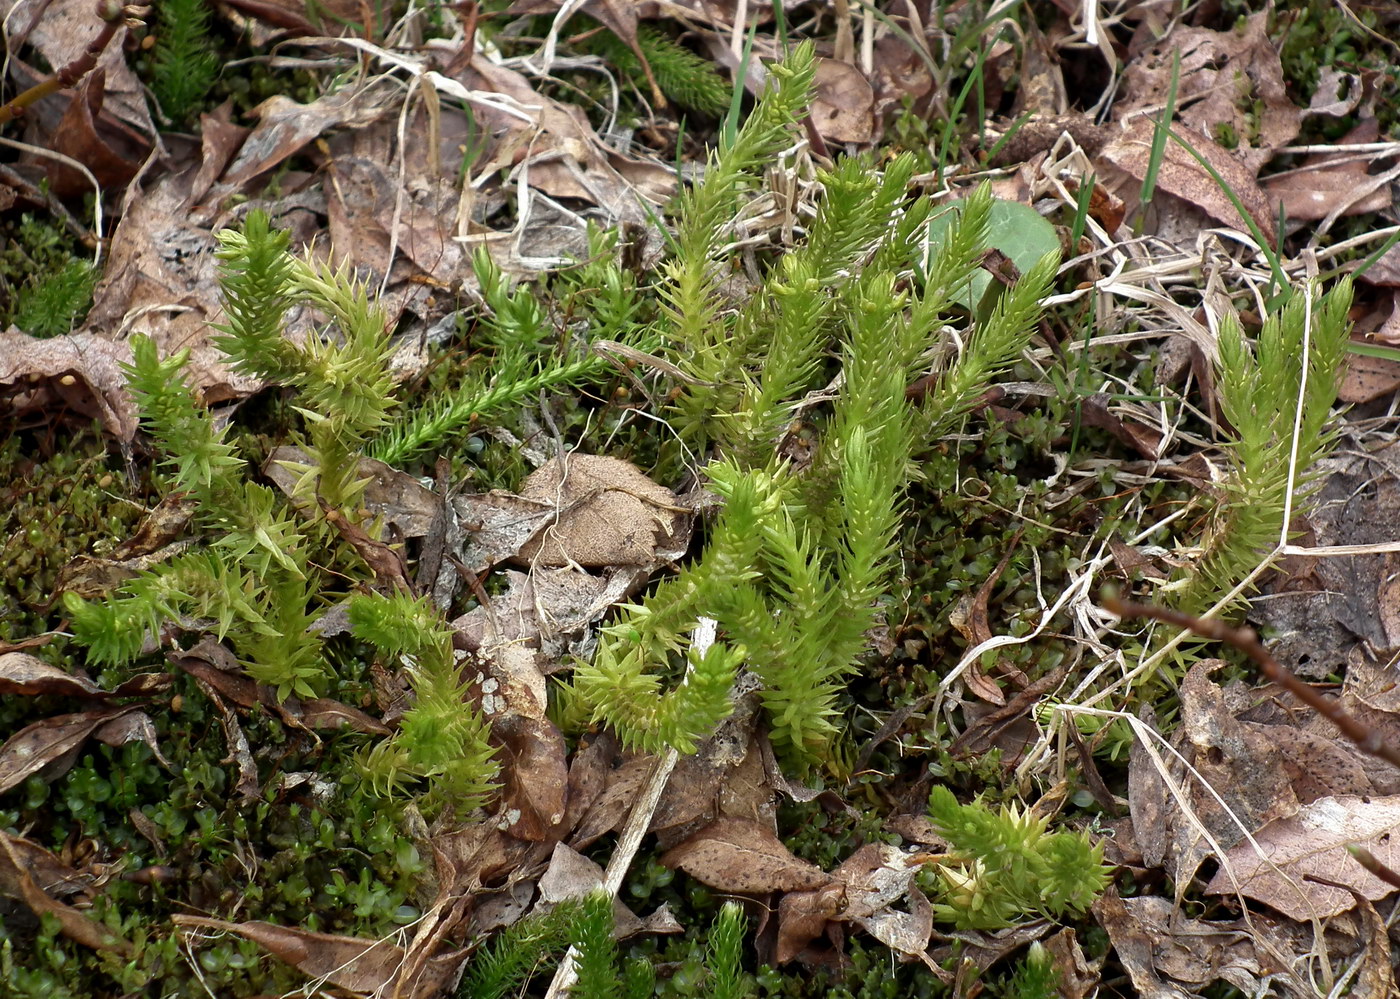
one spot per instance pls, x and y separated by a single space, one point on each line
1276 397
268 565
798 562
518 334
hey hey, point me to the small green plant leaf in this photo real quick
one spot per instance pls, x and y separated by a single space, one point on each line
1015 229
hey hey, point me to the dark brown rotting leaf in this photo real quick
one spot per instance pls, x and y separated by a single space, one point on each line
49 873
73 923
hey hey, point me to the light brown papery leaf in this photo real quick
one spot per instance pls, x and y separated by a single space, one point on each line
322 712
743 856
1365 379
1316 190
1152 940
61 31
79 371
876 877
1314 842
1374 974
130 726
564 156
1180 175
535 781
607 513
843 108
616 799
1229 80
550 609
1238 777
570 875
286 126
803 917
155 540
362 966
1078 978
400 500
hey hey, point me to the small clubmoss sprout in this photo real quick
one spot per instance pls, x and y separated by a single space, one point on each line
1004 866
186 64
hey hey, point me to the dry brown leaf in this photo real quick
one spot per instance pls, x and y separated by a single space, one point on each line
112 152
361 966
570 875
1375 975
740 855
1315 190
322 712
726 777
877 876
843 108
589 770
61 30
481 853
51 742
74 924
287 14
1153 939
398 499
1229 81
498 525
21 673
607 513
79 371
1313 842
1078 978
1239 777
286 126
51 875
1366 379
372 208
92 577
550 609
610 807
899 73
510 691
130 726
803 916
1180 175
1333 617
561 154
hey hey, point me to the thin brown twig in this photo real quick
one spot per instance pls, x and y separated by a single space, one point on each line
1368 860
1369 740
114 15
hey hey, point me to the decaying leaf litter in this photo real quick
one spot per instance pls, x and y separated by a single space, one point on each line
1248 798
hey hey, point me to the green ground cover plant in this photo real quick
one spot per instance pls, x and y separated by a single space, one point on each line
837 394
